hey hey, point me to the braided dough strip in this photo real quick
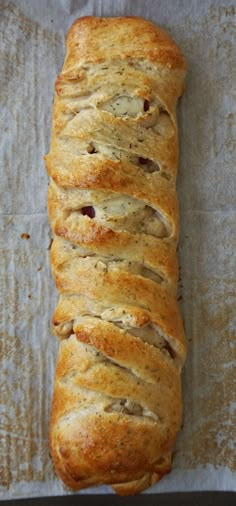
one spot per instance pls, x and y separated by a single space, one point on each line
113 210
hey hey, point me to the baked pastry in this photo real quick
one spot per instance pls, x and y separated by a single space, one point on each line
113 210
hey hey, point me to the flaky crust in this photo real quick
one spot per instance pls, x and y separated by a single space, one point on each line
113 210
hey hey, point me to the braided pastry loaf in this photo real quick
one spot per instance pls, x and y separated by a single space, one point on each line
113 210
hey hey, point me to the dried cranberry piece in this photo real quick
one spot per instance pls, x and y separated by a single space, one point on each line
88 211
146 105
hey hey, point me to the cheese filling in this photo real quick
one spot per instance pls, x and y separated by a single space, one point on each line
124 106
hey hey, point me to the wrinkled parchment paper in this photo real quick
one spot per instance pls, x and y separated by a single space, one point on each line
32 52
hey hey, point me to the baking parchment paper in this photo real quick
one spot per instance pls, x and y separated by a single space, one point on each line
32 52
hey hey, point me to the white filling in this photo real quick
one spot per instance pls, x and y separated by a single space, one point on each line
114 153
128 407
119 207
124 106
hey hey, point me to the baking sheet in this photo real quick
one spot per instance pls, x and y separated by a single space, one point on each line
32 53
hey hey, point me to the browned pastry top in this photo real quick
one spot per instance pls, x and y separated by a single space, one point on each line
114 213
94 40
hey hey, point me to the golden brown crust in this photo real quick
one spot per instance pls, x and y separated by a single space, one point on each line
94 40
113 210
97 444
